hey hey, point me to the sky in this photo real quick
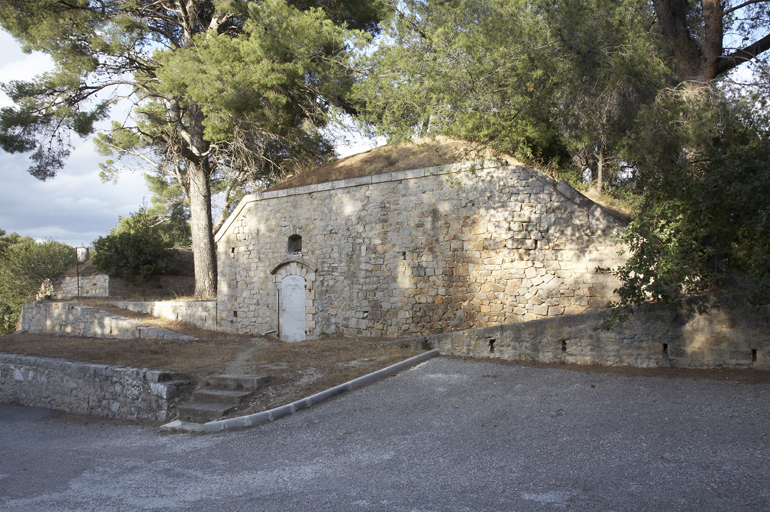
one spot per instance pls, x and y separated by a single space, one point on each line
74 207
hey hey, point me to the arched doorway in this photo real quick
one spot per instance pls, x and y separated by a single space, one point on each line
294 280
292 320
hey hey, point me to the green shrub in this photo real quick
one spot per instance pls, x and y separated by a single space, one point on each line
137 248
24 265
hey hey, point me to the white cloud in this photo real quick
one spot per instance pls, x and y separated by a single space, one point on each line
74 207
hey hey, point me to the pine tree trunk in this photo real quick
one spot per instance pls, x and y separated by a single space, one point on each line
201 227
600 171
201 223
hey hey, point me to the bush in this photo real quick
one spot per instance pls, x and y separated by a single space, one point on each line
702 225
24 265
137 248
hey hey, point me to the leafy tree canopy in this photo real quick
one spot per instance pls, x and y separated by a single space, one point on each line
170 208
227 92
703 222
545 81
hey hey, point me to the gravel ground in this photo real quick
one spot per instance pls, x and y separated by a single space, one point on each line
448 435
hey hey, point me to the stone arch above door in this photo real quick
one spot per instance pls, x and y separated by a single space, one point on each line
304 269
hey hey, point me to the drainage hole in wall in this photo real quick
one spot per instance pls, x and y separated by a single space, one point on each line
665 349
492 346
753 355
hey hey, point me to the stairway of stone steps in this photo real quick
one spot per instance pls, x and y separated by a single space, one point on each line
219 395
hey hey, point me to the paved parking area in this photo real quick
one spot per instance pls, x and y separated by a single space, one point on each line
448 435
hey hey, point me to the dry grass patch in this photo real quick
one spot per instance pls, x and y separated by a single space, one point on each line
194 357
416 154
296 370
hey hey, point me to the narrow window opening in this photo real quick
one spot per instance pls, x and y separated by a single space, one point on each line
232 252
235 314
492 346
665 349
753 355
403 255
294 245
563 346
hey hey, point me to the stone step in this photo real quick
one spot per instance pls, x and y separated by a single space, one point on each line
200 412
221 396
234 382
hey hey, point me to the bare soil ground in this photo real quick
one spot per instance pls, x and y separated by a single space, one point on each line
295 370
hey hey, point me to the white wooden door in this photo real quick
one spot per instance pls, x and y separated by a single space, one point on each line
293 308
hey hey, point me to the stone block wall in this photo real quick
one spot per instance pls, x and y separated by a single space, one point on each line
706 332
201 314
423 251
67 287
73 319
112 391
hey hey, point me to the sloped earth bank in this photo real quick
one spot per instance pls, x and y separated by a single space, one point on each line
296 370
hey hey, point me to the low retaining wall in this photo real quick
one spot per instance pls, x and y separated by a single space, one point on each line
201 314
73 319
112 391
84 286
706 332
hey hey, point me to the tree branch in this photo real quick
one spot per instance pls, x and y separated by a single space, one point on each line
744 4
728 62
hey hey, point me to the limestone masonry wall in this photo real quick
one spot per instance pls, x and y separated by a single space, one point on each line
73 319
198 313
423 251
706 332
67 287
113 391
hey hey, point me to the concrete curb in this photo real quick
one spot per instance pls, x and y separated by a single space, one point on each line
273 414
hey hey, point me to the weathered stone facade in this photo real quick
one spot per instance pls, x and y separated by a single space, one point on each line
701 332
68 287
423 251
102 390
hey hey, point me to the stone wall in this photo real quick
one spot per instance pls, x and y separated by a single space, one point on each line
423 251
201 314
68 287
113 391
705 332
73 319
